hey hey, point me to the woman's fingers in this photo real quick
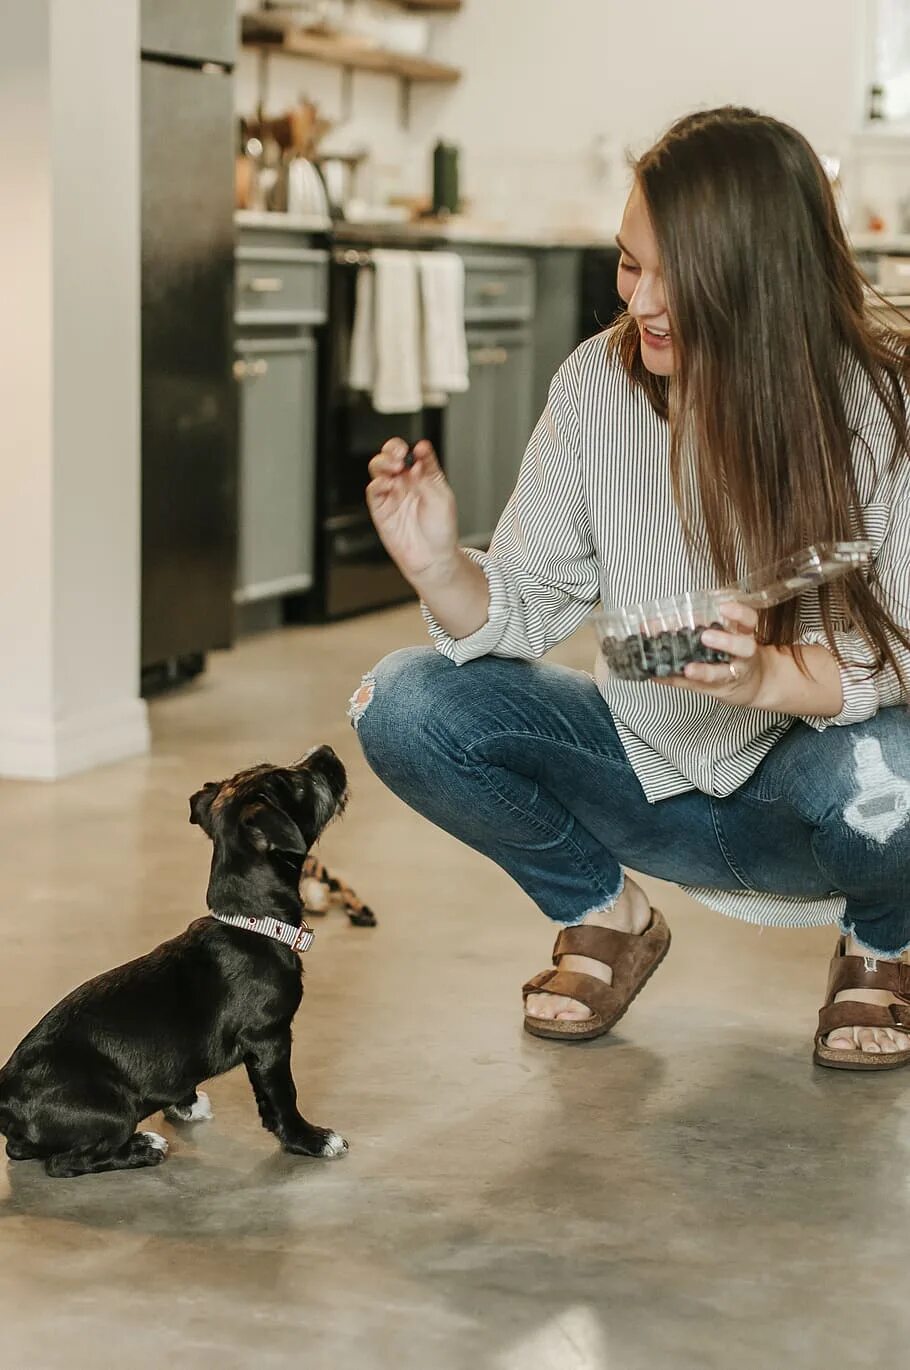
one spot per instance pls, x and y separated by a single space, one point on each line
425 457
739 615
704 674
390 461
397 457
734 644
378 491
737 637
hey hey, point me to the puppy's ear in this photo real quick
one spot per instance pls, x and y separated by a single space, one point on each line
201 806
270 829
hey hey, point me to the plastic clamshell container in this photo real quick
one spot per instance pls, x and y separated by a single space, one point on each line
661 637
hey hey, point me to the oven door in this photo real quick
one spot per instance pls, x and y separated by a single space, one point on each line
356 571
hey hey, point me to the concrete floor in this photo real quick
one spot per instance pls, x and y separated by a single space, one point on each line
687 1193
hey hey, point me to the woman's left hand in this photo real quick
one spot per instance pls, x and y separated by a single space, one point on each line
739 680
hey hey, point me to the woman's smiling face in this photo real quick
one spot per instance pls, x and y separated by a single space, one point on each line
640 284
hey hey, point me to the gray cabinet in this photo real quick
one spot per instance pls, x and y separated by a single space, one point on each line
486 430
513 369
556 322
277 379
282 295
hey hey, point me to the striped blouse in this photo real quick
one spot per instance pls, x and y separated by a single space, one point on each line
592 518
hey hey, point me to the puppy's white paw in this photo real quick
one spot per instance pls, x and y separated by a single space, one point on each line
155 1140
199 1112
334 1145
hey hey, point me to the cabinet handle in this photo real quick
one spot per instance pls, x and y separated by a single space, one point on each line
493 290
250 371
489 356
265 285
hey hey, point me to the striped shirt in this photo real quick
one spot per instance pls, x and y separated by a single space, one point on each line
592 519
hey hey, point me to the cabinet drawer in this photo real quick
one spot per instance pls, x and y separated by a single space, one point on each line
499 288
281 286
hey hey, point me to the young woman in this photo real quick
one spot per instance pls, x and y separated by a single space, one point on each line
743 407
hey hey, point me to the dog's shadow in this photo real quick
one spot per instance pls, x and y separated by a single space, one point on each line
214 1185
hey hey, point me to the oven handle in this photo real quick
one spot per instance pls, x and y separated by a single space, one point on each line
349 256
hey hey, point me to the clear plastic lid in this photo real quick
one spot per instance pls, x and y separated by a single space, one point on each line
807 570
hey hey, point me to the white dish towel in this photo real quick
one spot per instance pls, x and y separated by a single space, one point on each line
385 341
408 345
445 349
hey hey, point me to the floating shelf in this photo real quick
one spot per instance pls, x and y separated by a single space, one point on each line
428 5
262 32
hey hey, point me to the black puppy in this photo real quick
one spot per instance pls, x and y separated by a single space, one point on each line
141 1037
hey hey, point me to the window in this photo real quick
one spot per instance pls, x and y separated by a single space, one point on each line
891 57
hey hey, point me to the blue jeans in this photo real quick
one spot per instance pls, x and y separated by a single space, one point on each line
522 761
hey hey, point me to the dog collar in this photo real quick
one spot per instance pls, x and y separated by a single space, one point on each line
298 939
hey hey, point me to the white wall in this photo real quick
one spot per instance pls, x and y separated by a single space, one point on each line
69 368
545 80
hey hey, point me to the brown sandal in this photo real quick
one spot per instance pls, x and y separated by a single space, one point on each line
860 972
632 959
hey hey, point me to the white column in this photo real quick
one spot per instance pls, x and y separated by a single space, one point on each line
69 386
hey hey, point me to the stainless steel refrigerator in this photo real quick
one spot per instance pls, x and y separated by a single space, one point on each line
189 406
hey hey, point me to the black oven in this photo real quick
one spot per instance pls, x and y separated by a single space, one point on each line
354 572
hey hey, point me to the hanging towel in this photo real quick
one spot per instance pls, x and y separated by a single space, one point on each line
362 359
444 346
385 343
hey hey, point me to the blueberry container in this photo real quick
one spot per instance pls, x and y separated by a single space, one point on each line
660 637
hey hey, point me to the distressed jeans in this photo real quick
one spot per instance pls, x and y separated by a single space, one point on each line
522 762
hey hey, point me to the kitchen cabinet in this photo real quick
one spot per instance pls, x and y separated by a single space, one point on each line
486 429
277 379
556 316
282 301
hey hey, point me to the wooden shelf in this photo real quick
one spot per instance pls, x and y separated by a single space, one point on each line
264 33
426 6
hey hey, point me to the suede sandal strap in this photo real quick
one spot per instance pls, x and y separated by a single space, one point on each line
602 999
860 972
601 944
627 954
854 1013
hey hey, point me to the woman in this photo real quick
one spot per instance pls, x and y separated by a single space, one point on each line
743 407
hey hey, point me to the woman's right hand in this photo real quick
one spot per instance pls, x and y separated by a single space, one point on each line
413 510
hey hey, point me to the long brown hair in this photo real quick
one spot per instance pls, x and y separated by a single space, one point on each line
768 312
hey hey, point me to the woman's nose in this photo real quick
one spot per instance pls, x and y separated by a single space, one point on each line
647 299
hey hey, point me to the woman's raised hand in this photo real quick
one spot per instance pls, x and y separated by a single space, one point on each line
413 509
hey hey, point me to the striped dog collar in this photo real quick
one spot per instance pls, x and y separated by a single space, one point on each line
298 939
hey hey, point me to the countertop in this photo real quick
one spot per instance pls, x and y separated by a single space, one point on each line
427 232
886 243
303 223
475 231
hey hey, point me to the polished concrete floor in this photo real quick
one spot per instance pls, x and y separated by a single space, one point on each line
689 1193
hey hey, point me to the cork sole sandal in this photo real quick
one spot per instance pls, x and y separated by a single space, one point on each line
632 959
860 972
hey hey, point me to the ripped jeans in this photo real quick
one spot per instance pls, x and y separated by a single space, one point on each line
522 762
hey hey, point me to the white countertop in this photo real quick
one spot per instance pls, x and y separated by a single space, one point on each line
477 231
303 223
881 242
452 230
